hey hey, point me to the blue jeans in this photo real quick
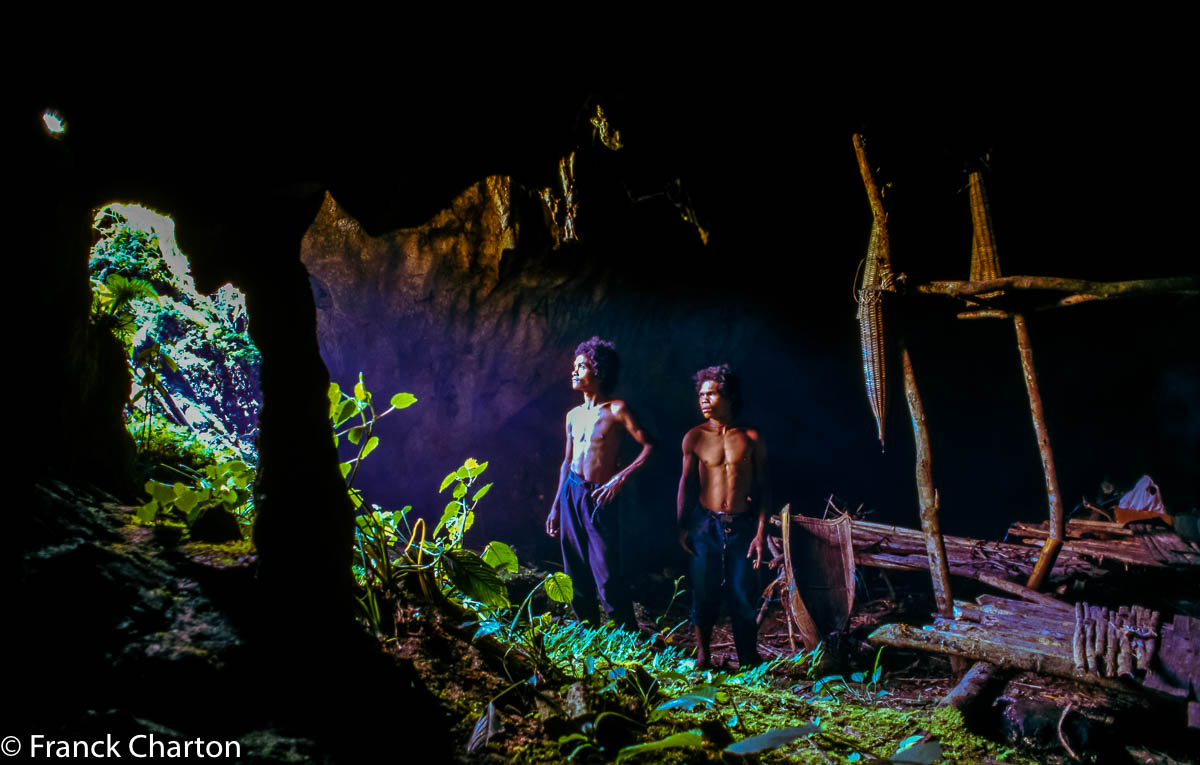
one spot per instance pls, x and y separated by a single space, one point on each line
720 568
590 542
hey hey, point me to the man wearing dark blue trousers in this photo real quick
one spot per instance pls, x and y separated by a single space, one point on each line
721 511
584 510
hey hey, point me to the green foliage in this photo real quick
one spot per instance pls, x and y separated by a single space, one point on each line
226 484
192 362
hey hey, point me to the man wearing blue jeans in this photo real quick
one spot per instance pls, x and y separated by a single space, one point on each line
584 510
721 512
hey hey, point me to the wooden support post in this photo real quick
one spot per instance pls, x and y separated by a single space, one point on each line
935 546
1054 541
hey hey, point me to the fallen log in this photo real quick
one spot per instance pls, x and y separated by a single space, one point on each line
987 648
979 677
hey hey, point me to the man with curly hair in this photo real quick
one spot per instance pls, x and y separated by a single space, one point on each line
584 510
721 512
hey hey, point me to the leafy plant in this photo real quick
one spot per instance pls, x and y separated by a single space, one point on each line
227 484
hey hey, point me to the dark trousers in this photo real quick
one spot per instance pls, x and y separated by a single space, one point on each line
720 568
590 539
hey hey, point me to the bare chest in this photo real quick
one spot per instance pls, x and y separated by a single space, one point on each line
594 426
731 450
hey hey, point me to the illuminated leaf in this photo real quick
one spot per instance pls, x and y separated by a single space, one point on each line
403 400
921 753
360 392
348 410
487 628
335 396
460 491
160 491
479 494
500 557
372 442
771 739
692 739
447 481
476 468
355 434
474 578
147 512
186 499
560 588
451 510
345 468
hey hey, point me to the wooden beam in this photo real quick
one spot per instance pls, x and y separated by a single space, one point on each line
1094 290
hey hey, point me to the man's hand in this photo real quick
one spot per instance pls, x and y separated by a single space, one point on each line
683 542
756 549
608 492
552 523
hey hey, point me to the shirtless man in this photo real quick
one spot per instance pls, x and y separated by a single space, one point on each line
721 511
589 481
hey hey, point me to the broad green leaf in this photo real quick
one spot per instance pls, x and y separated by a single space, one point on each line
771 739
160 491
560 588
462 473
355 434
355 498
335 440
345 468
185 500
500 557
487 628
923 753
451 510
147 512
348 410
372 442
335 396
474 578
403 400
447 481
170 362
691 738
360 392
460 491
476 468
688 702
233 466
479 494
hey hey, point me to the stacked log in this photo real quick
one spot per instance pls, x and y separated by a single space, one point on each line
1111 644
1084 642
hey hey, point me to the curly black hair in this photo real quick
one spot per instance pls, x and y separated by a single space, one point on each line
602 357
728 384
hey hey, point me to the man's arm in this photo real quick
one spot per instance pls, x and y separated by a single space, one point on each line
689 490
552 519
624 415
762 496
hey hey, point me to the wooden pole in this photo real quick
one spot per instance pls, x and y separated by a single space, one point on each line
1054 541
935 546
